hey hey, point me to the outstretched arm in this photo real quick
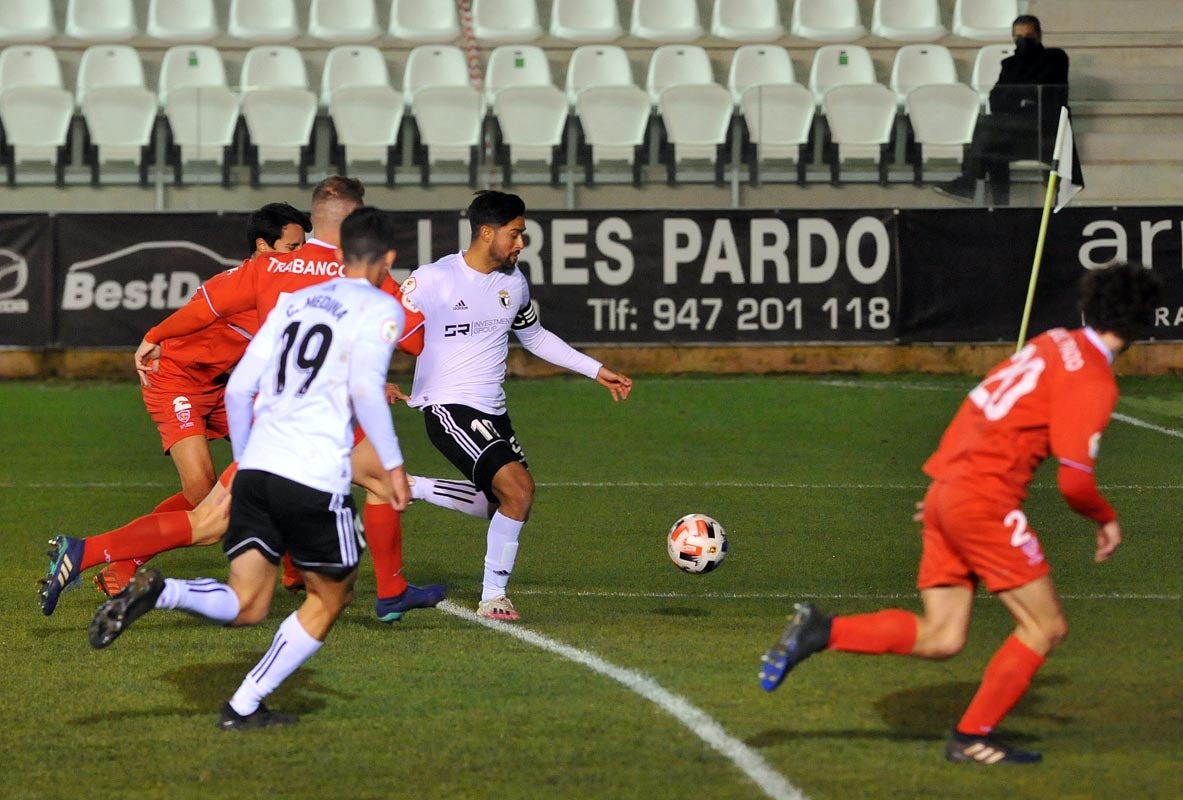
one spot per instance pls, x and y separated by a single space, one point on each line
618 385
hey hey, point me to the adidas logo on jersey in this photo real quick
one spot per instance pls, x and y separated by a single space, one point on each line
460 306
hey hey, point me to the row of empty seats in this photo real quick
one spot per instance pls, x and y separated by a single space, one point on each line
504 21
528 113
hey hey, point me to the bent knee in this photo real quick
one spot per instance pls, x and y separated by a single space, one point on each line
941 649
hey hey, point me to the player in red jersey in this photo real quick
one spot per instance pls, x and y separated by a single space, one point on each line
257 285
184 394
1055 396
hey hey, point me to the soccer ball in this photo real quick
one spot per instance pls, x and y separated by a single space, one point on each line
697 543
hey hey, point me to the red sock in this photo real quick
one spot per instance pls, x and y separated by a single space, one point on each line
384 534
1007 676
140 538
887 631
227 476
175 503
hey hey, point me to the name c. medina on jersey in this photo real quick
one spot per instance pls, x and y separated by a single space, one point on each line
299 266
325 303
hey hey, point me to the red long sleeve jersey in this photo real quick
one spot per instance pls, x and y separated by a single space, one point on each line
1054 397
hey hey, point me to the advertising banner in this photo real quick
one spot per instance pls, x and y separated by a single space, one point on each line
120 274
639 277
26 281
965 273
713 277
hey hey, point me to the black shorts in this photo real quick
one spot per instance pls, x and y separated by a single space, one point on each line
275 515
477 444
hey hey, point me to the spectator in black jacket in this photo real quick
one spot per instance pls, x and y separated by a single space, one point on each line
1024 112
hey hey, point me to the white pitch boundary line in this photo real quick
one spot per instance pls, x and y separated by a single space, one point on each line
1098 596
701 724
1150 426
625 485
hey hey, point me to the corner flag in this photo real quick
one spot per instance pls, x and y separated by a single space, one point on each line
1065 160
1061 192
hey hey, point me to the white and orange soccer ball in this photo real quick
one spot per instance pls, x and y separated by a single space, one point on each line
697 543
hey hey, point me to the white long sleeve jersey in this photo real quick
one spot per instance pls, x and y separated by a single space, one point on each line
318 363
467 316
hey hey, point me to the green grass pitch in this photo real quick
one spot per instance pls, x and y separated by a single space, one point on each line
814 480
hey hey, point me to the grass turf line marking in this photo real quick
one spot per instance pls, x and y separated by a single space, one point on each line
1148 425
751 763
626 485
1101 596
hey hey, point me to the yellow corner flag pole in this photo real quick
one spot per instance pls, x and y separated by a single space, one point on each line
1053 179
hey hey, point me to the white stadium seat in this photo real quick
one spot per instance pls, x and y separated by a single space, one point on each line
36 123
350 66
696 119
666 20
839 64
424 21
531 120
279 124
29 65
118 109
344 21
597 65
433 65
269 66
920 64
907 20
34 108
515 65
505 21
277 108
366 124
987 67
101 20
943 118
586 21
747 20
778 119
190 65
613 120
860 118
827 20
201 123
182 20
759 65
984 20
26 21
673 64
201 110
449 120
263 21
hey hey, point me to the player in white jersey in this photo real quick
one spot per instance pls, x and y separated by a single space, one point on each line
318 364
460 311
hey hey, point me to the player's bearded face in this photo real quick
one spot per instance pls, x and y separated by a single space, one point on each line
508 241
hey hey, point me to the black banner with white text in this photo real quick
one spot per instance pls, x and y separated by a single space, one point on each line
637 277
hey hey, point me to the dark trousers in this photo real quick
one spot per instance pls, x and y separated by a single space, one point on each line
1000 139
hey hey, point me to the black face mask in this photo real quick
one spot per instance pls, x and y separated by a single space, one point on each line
1027 46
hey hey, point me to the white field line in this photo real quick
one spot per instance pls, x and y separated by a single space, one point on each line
798 595
701 724
807 486
1150 426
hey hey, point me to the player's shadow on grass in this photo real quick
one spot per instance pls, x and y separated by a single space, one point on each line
204 687
927 713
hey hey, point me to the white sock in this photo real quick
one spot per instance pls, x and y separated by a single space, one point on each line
456 495
500 551
290 648
203 596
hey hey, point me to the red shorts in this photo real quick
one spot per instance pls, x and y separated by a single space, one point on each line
968 538
181 410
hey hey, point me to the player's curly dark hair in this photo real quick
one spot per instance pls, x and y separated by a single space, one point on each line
269 221
1120 298
494 208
